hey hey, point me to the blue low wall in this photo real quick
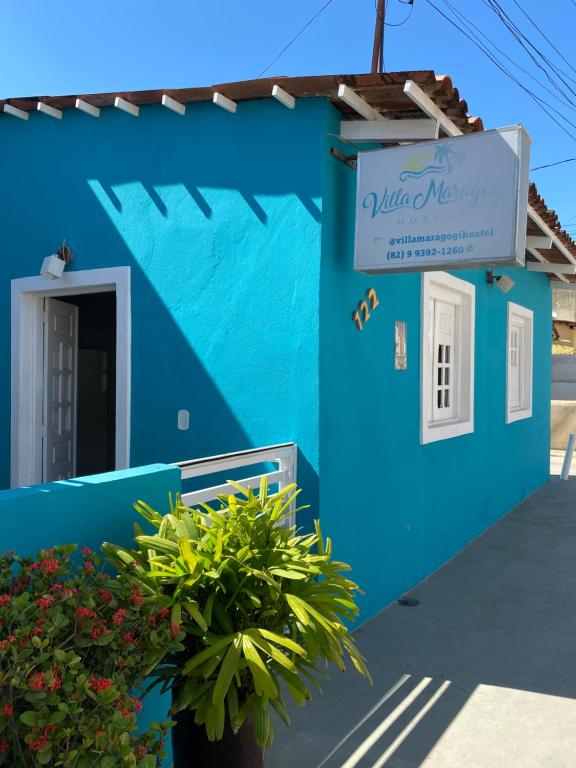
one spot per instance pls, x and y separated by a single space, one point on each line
87 511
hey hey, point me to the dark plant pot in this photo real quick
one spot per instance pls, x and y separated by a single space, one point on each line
192 749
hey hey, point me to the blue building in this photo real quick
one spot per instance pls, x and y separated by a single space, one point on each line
209 307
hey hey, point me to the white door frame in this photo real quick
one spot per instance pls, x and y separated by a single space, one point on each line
26 367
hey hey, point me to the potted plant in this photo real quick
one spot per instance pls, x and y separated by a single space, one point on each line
74 646
262 609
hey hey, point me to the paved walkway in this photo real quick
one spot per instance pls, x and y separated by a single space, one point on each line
481 674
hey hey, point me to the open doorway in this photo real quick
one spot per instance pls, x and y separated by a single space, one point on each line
70 375
89 399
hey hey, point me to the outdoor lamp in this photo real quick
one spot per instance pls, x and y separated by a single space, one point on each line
503 282
53 266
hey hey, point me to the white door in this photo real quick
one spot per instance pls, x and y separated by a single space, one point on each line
60 386
444 359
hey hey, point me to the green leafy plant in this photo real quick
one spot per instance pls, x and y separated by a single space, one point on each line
74 646
262 608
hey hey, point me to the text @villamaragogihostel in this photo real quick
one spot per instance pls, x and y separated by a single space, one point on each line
422 244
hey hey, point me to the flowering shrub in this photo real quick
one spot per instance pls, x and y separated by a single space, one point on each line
74 646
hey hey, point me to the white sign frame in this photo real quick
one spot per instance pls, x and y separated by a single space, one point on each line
473 196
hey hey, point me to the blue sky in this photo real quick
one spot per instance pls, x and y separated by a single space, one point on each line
63 47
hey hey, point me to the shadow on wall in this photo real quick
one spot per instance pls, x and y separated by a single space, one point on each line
175 199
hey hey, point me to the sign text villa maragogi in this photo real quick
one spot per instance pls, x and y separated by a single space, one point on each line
450 204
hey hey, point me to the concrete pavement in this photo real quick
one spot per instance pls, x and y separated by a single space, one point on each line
481 674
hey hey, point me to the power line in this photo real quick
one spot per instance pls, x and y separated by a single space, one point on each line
542 103
550 165
401 24
468 24
296 36
550 43
521 38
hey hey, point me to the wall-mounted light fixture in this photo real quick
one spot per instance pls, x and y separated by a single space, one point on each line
502 282
53 266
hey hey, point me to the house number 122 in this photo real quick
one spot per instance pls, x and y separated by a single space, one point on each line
362 314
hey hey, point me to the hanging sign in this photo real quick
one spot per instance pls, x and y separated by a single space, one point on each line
451 204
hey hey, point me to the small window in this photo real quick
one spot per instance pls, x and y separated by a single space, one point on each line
447 357
519 363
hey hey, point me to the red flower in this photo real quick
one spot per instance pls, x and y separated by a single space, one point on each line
37 681
44 603
99 629
160 615
8 710
4 600
48 566
39 744
118 616
38 627
137 703
128 638
106 595
85 613
140 751
86 551
174 630
57 684
4 643
88 565
136 596
100 683
19 585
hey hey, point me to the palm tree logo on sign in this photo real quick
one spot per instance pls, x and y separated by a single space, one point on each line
444 160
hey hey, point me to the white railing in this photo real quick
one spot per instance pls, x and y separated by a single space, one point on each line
283 456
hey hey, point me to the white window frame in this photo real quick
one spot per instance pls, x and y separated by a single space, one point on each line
525 317
445 287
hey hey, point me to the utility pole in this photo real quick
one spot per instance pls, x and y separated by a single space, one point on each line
378 50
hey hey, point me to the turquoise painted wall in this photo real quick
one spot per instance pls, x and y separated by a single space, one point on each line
218 216
397 509
233 272
87 511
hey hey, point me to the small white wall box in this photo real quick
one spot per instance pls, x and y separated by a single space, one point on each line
183 420
53 267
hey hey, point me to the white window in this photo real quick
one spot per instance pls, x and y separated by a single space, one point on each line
519 363
447 387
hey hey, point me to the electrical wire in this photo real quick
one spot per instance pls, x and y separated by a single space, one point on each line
401 24
470 24
296 36
533 52
550 43
550 165
539 59
542 103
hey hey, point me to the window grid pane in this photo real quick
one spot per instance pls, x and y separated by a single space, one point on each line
443 397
